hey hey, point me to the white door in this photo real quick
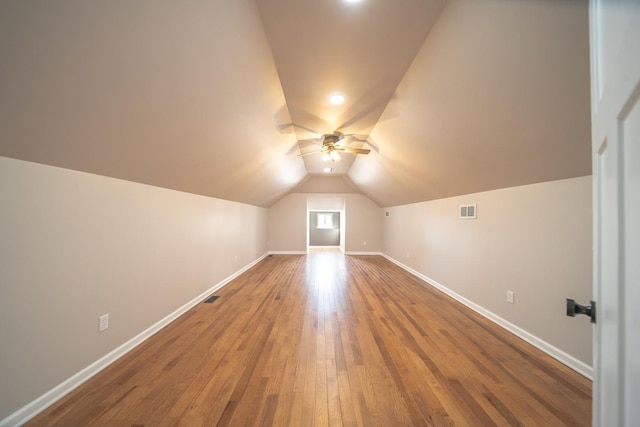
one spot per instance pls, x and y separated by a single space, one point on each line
615 95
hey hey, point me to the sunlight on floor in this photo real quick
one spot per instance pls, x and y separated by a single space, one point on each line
316 250
326 277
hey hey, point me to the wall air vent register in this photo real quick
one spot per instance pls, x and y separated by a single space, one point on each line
468 211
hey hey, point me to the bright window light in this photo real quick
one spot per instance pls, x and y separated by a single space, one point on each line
325 221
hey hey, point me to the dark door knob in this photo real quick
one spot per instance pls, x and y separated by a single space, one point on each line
574 308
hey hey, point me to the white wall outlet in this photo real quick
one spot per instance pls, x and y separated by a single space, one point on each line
364 243
510 297
236 257
103 322
407 254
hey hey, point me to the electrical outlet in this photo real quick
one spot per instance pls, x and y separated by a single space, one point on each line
364 243
510 297
236 257
103 322
407 254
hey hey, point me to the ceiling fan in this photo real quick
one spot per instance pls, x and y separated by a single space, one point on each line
333 144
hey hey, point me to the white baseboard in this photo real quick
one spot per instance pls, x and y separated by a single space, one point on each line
33 408
319 247
561 356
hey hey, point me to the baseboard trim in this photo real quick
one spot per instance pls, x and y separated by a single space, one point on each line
561 356
35 407
362 253
287 252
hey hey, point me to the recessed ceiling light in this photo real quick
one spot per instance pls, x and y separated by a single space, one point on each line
327 170
336 98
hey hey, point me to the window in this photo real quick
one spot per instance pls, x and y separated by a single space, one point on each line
325 221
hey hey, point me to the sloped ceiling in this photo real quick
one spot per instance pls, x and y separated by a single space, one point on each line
211 97
497 97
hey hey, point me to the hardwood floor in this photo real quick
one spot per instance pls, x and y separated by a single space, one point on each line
329 340
315 249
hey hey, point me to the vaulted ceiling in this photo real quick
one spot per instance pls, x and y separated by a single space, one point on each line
220 98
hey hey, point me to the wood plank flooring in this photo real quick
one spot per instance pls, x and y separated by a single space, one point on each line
329 340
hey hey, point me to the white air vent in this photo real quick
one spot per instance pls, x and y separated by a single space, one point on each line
468 211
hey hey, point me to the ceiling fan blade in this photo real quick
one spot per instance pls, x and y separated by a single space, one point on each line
285 126
359 138
309 153
371 143
349 138
293 149
352 150
315 141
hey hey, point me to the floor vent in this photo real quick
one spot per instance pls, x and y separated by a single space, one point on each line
212 299
269 256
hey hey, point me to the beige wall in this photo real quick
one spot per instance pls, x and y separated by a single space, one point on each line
74 246
534 240
288 223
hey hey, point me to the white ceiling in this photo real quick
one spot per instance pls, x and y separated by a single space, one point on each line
211 97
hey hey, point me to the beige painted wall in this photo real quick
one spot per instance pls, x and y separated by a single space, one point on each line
534 240
288 223
74 246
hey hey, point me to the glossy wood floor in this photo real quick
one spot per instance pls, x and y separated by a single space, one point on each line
329 340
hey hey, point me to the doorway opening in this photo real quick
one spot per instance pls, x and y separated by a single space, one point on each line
325 225
325 231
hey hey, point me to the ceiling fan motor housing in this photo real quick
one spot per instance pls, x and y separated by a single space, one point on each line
331 139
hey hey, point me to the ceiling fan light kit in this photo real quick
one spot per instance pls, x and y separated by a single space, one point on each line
331 155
